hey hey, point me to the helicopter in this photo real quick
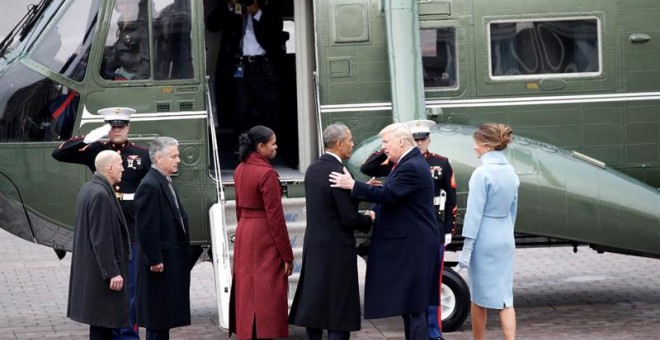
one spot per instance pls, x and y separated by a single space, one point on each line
574 80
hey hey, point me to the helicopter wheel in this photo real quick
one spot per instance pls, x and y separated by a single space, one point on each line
454 300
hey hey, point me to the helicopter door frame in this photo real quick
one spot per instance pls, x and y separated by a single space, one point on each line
306 61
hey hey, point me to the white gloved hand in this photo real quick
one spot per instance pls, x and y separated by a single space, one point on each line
447 239
464 259
466 254
97 134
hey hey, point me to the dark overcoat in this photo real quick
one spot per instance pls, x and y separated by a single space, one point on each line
162 300
101 250
404 243
328 296
259 285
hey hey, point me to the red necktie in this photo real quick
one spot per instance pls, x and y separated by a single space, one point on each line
394 167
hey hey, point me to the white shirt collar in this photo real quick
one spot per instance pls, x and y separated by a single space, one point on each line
334 155
405 153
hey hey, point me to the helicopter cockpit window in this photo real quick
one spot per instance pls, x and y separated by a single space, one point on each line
439 57
126 51
172 27
34 108
127 48
65 48
547 47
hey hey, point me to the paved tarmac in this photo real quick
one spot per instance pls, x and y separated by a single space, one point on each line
558 295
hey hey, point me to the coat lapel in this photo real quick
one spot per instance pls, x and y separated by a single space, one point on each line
108 188
409 155
165 188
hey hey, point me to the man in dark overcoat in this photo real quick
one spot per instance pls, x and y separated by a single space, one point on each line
163 272
328 296
101 250
136 162
405 239
444 200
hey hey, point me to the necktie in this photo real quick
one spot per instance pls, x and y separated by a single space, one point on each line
394 167
176 203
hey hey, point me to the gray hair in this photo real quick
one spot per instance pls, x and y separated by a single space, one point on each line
103 159
158 146
333 134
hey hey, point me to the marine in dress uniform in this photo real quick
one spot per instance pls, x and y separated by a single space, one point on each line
444 200
136 163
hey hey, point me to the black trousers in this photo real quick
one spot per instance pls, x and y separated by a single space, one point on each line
316 334
258 95
415 326
100 333
158 334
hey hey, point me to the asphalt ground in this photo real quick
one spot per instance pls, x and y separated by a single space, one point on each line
558 295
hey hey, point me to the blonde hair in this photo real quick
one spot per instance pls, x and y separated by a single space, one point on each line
398 130
494 135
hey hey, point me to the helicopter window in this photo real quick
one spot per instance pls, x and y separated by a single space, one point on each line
439 57
65 48
126 51
172 27
34 108
522 48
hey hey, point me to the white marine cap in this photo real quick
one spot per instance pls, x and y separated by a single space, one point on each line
420 128
116 116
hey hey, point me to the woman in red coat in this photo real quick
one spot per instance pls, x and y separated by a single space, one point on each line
263 258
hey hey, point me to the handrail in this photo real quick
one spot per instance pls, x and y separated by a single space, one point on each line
214 147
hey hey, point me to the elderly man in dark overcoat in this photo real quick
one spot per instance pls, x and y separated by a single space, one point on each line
101 250
405 239
327 296
163 279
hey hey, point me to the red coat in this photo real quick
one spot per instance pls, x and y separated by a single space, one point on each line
262 246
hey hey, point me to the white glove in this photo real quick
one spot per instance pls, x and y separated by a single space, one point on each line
464 259
466 253
447 239
97 134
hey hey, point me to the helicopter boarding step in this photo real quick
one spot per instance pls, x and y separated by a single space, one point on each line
223 229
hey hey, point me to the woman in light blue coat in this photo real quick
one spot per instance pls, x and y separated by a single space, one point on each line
489 246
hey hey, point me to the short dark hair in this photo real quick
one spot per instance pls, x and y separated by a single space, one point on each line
334 133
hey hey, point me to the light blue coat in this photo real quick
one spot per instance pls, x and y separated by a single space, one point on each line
489 220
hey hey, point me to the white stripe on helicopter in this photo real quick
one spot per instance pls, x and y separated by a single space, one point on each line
489 102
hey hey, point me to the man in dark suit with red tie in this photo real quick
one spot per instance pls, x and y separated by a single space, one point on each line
327 296
163 280
405 241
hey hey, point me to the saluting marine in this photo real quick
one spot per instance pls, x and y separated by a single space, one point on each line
444 200
136 163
